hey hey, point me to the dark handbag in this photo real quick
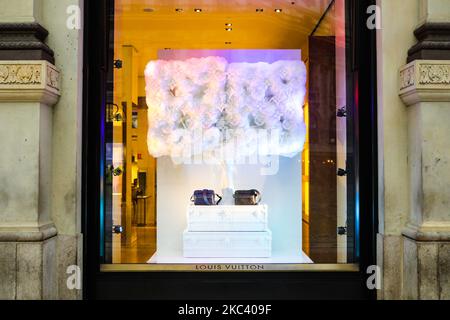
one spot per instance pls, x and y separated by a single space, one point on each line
247 197
205 198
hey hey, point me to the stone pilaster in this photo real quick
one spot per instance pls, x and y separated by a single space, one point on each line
28 90
425 89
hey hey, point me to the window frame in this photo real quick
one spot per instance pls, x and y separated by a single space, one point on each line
320 281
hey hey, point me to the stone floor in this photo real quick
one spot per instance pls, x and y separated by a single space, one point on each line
143 248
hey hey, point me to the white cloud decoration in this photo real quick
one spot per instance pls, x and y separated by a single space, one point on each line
226 102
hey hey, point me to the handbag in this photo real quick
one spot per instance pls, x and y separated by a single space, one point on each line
205 198
247 197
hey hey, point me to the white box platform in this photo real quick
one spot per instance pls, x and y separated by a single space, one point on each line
227 218
227 244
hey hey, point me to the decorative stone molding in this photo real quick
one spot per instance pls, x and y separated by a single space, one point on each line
53 77
407 77
20 74
23 233
434 42
425 81
24 41
23 81
435 74
428 232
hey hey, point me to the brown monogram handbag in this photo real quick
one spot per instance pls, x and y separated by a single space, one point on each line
247 197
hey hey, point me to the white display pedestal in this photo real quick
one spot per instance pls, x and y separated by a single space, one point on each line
281 192
227 232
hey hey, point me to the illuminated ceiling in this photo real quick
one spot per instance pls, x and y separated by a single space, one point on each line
150 25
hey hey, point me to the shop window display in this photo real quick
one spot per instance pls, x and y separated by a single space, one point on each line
226 137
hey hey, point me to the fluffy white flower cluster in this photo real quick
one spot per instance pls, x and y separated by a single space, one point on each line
225 103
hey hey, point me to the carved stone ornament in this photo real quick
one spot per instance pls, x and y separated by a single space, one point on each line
29 81
407 77
435 74
20 74
425 81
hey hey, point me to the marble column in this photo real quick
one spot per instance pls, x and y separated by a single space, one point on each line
425 89
28 90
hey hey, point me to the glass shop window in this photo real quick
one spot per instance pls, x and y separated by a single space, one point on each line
226 135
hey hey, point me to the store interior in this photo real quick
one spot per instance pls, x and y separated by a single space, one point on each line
141 190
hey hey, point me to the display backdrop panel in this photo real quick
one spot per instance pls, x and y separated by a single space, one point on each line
279 179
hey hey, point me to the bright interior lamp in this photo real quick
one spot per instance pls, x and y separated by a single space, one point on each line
209 105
